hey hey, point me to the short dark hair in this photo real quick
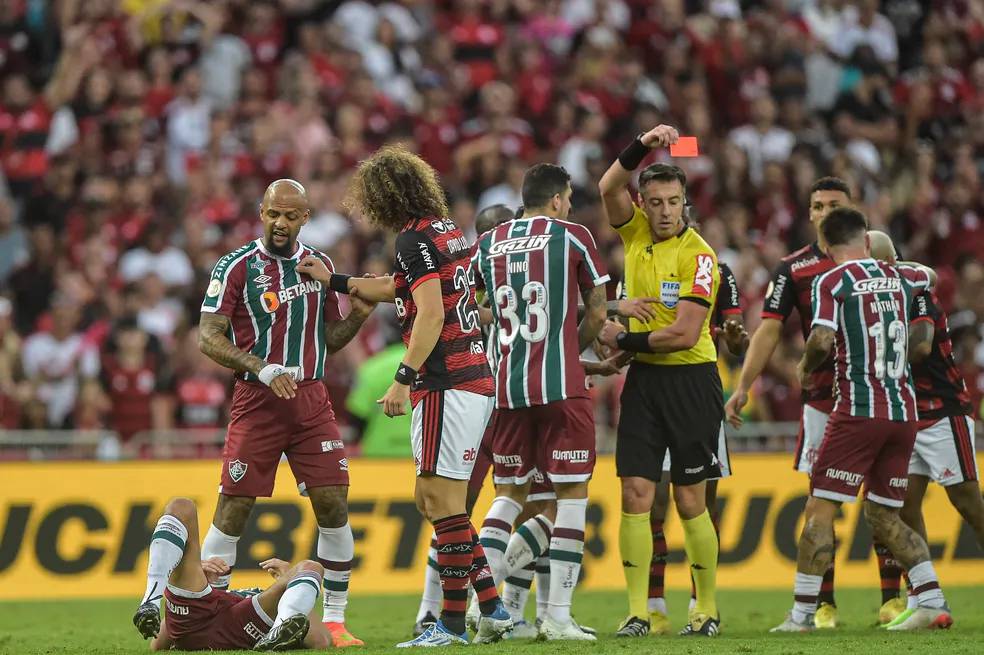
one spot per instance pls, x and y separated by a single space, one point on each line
491 216
843 225
542 182
662 173
830 183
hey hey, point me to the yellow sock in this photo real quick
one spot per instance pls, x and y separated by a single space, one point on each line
701 543
635 544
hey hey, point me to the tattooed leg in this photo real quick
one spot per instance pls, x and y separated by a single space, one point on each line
904 542
816 544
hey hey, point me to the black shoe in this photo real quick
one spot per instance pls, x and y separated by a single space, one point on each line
148 619
286 636
420 626
702 625
633 627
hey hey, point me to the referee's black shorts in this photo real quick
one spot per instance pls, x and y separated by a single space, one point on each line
675 408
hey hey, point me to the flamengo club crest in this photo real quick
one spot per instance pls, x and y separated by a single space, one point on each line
237 470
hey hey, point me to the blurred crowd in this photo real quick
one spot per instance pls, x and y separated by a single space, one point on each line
137 136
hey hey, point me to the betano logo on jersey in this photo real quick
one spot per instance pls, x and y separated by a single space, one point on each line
877 285
519 244
272 300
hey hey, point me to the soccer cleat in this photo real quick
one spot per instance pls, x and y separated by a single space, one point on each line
427 621
826 616
248 592
286 636
789 625
473 614
522 630
551 630
587 629
434 636
633 626
701 625
340 636
147 619
491 627
659 623
890 610
923 618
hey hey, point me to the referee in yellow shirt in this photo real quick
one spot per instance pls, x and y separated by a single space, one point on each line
672 398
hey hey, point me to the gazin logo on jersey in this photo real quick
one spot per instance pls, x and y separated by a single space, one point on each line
519 244
877 285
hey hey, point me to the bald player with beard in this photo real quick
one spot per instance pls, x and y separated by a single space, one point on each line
274 326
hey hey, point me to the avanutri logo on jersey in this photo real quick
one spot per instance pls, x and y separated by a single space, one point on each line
273 299
519 244
509 461
851 479
572 456
877 285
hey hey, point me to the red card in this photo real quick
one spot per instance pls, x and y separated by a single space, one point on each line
686 146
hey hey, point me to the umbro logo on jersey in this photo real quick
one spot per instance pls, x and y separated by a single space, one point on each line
519 244
262 280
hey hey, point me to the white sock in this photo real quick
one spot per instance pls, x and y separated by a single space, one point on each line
299 596
430 600
527 543
220 544
542 584
336 548
658 605
911 601
167 545
566 548
926 586
516 591
494 534
806 588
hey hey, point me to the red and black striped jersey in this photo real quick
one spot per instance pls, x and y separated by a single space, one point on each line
433 248
791 288
728 300
940 387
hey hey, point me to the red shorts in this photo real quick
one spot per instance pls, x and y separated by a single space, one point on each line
262 427
858 450
540 489
556 439
218 620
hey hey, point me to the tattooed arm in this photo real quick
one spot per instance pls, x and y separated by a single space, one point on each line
339 333
595 309
214 342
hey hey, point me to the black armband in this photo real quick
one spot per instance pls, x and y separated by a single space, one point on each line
634 153
339 283
405 374
634 342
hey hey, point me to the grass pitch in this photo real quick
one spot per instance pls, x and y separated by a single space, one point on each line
91 627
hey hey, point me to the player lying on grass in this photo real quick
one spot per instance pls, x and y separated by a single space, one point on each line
861 312
200 617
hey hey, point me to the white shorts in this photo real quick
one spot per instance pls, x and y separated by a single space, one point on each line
944 451
724 459
446 430
812 426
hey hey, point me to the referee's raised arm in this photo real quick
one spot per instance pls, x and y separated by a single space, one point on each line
613 185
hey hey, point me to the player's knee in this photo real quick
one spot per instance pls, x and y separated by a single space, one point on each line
332 515
966 499
879 517
184 509
232 512
311 565
637 495
689 500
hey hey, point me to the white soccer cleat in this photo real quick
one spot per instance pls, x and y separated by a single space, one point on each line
924 618
522 630
789 625
551 630
492 627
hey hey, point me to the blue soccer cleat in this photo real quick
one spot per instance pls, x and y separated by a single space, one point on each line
435 636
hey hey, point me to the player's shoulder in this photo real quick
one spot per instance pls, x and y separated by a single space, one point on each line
694 244
575 230
228 261
314 252
725 270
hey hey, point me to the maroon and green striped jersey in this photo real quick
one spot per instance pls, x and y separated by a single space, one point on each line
534 270
867 304
275 312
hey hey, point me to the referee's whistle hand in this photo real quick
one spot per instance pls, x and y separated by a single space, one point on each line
284 386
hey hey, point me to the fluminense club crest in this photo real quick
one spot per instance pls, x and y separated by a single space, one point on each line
237 470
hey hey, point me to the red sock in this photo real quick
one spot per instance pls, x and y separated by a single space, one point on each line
890 572
657 567
481 577
454 561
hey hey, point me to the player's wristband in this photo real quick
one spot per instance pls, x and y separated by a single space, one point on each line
405 374
633 342
270 372
634 153
339 283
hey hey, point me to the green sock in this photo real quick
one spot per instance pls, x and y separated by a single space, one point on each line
635 544
701 544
